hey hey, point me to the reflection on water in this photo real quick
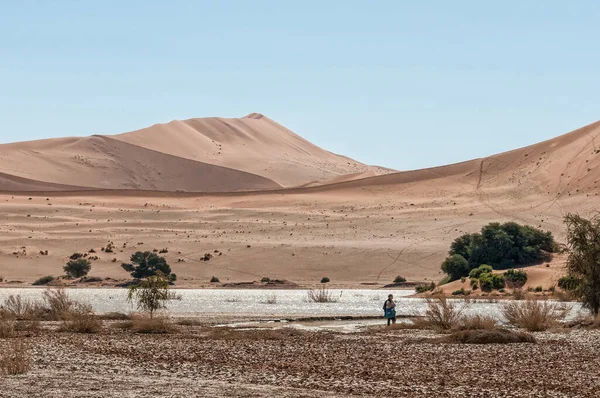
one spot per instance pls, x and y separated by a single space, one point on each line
254 302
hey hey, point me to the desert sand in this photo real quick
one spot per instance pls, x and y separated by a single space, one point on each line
273 204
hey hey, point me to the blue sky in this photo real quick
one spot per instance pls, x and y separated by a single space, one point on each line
403 84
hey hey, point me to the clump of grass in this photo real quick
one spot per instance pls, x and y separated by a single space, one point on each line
44 280
489 336
154 325
477 322
15 307
441 314
82 321
14 358
535 315
321 295
7 328
519 294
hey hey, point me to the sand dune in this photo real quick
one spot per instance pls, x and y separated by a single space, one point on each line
356 229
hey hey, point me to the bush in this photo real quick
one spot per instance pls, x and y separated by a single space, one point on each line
152 325
515 278
44 280
488 282
456 266
499 245
534 315
474 284
568 283
15 307
482 269
214 279
14 358
77 268
399 279
461 292
425 288
539 289
265 279
321 295
146 264
325 280
7 328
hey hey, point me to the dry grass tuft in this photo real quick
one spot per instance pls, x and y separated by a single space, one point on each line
145 324
114 316
82 322
535 315
441 314
321 295
7 328
14 358
519 294
489 336
15 307
477 322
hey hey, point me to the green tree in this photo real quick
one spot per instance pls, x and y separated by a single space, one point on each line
77 268
145 264
583 262
152 293
455 266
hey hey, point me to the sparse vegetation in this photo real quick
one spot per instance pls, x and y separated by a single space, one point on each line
44 280
477 322
499 245
14 358
441 314
146 264
425 288
325 280
77 268
152 294
321 295
515 278
214 279
534 315
82 321
399 279
489 336
265 279
146 324
583 262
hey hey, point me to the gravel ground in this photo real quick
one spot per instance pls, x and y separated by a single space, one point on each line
199 361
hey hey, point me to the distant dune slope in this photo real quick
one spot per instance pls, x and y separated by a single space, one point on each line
255 144
104 163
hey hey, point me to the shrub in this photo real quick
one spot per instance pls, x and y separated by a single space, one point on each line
399 279
441 314
76 256
539 289
325 280
77 268
44 280
265 279
14 358
146 264
456 266
425 288
58 306
321 295
488 282
482 269
534 315
568 283
91 279
501 246
515 278
152 294
519 294
214 279
15 307
461 292
463 279
474 284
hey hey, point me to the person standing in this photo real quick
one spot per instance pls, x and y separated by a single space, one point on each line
389 307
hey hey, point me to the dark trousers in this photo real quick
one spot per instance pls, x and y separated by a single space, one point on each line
391 320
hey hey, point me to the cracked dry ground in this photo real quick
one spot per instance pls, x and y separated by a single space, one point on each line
204 362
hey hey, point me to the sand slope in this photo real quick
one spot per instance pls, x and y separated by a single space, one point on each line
365 230
254 144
